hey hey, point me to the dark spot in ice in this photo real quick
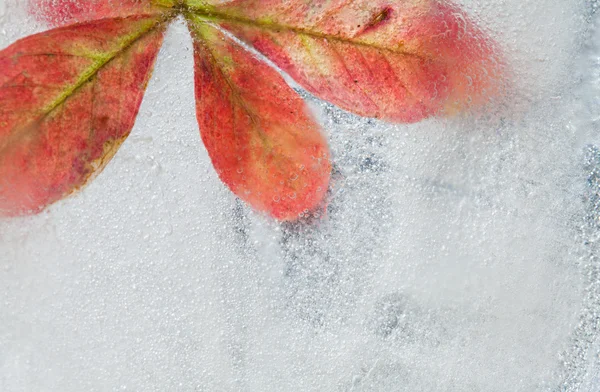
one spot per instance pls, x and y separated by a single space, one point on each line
390 315
592 166
371 164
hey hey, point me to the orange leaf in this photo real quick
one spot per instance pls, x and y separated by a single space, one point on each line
261 139
68 99
400 60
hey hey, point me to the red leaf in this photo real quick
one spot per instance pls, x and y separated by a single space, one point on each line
399 60
68 99
261 139
62 116
60 12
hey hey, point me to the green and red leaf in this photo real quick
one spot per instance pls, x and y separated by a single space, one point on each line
400 60
68 99
263 142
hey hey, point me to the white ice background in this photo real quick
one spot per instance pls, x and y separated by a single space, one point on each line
457 254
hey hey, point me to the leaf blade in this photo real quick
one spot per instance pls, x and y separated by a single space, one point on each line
62 12
261 139
68 99
401 60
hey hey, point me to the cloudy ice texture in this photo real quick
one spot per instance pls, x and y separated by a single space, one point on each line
456 254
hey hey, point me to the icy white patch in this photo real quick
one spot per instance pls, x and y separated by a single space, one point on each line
451 257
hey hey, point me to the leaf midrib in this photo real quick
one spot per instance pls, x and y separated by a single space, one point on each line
99 65
87 75
232 86
218 16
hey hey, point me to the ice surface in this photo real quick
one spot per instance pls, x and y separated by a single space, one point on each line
457 255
